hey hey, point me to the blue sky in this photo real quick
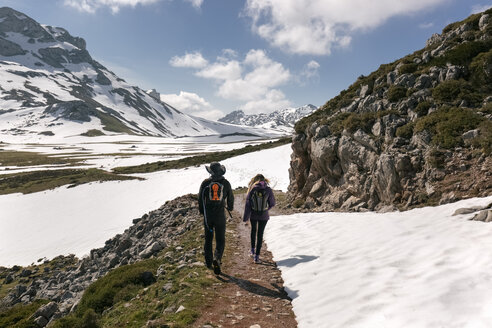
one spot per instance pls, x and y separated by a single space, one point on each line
210 57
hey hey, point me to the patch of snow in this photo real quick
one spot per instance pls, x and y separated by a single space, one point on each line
75 220
419 268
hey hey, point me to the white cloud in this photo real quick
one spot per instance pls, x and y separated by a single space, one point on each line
193 60
273 100
310 70
253 80
426 25
224 70
193 104
195 3
479 8
91 6
316 26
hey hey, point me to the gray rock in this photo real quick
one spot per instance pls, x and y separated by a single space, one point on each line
405 80
8 48
467 210
484 21
454 72
483 216
364 91
424 81
8 279
41 321
391 77
435 38
471 134
47 310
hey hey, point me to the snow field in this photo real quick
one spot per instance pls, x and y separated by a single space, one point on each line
75 220
420 268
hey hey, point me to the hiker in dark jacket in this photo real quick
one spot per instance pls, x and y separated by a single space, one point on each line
259 200
215 193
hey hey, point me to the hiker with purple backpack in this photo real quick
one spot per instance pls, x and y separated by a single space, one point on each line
259 200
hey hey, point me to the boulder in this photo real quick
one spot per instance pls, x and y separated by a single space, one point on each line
467 210
41 321
484 21
47 310
151 250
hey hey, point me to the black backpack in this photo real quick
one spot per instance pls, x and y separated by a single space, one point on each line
259 201
214 194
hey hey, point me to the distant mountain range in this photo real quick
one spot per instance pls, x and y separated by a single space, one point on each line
282 120
50 85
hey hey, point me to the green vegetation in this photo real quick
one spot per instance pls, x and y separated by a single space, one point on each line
119 285
199 159
408 68
354 121
474 55
423 108
112 124
405 131
481 70
447 125
396 93
27 158
462 54
93 133
29 182
123 299
298 203
455 91
19 316
484 140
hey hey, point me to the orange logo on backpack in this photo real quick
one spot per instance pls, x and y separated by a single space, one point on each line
215 189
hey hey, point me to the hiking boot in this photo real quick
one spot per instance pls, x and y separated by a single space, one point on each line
216 266
252 252
257 258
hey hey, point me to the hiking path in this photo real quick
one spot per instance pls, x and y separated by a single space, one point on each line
247 294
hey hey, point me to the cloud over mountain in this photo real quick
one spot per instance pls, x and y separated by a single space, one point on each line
91 6
253 80
316 26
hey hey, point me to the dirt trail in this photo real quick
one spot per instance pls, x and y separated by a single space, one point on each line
248 294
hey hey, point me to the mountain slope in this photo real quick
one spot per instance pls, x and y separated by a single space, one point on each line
416 131
282 120
49 84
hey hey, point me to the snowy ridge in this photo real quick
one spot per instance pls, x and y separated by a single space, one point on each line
50 85
281 120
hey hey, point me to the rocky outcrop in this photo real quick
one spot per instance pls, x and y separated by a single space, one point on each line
66 282
378 146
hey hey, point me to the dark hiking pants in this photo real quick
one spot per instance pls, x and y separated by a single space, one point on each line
257 229
217 225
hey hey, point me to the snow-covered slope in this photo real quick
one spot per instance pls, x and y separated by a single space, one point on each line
75 220
281 120
423 268
50 85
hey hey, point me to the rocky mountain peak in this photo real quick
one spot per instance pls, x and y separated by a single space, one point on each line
50 85
283 119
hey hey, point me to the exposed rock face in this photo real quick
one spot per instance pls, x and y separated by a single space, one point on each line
148 235
371 149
